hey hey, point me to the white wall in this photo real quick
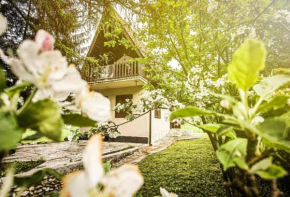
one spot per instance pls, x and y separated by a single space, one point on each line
137 128
160 127
140 126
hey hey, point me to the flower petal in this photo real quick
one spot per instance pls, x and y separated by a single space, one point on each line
28 53
54 63
76 184
96 107
123 182
92 159
44 40
165 193
17 68
72 82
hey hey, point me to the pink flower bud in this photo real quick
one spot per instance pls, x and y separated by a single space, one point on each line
225 104
44 40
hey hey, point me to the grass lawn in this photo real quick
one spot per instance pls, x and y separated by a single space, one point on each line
189 126
188 168
65 133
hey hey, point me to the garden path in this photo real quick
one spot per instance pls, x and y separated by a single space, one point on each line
62 156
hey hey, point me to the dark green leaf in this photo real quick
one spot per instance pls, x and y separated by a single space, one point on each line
78 120
248 60
43 116
189 112
10 133
17 88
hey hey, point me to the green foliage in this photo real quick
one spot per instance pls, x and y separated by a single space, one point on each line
211 127
78 120
274 103
2 81
257 136
20 166
189 112
229 154
48 121
272 129
36 177
273 172
107 166
227 131
16 89
248 60
271 84
10 132
261 165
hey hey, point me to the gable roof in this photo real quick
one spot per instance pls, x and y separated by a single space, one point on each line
127 32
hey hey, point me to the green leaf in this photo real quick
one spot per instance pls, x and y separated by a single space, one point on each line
36 177
17 88
227 153
226 97
248 60
107 166
44 117
10 132
284 118
227 131
2 80
273 132
272 129
261 165
78 120
210 127
273 172
241 163
276 103
189 112
279 144
271 84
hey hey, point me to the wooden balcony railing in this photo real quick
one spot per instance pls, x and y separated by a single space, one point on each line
117 70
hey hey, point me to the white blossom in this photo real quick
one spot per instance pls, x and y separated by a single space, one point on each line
94 105
122 182
114 134
257 119
212 6
47 69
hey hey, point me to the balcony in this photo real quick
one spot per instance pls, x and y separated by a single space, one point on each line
124 73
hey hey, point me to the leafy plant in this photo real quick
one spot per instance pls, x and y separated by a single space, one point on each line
252 151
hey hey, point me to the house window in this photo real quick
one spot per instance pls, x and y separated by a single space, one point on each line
157 113
122 99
